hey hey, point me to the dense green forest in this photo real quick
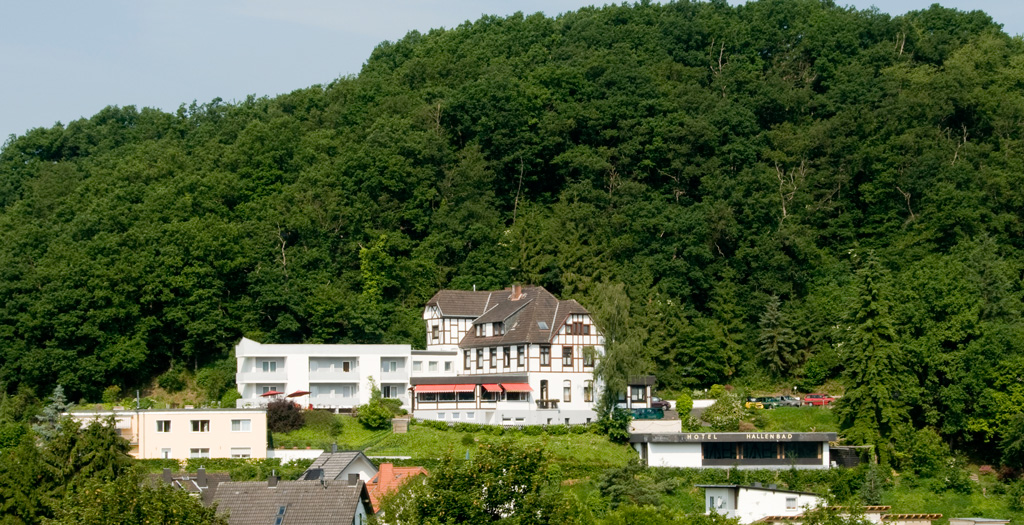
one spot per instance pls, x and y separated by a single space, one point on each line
786 192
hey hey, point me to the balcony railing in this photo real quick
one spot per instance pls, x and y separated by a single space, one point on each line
262 377
547 404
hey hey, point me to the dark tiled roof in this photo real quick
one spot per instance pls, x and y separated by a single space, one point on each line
522 317
461 303
254 502
334 463
189 482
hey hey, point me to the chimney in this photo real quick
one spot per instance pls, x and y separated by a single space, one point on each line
386 474
353 479
166 477
334 448
272 479
757 484
201 478
517 292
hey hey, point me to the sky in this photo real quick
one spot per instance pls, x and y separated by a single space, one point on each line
61 60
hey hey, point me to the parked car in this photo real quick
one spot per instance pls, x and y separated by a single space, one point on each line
818 400
790 401
753 402
657 402
770 402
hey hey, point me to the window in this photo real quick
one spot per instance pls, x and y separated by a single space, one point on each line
199 453
389 391
544 389
542 325
432 366
507 357
455 415
389 366
790 503
448 364
201 425
428 397
520 356
498 328
270 366
588 356
470 415
494 358
577 328
638 393
165 453
346 366
467 396
515 396
479 357
268 388
479 330
440 415
435 333
417 366
241 425
567 356
465 358
588 391
567 391
163 426
241 452
545 356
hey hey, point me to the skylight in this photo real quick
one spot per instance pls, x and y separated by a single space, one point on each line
542 325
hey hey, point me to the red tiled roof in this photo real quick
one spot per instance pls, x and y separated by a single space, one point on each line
388 479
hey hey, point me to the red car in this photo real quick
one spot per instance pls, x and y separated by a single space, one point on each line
818 400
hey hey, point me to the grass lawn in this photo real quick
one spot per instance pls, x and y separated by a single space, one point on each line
798 419
353 436
986 504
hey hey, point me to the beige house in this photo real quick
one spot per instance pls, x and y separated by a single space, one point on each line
189 433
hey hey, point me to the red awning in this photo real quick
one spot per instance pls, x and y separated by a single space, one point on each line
491 387
464 388
516 387
430 389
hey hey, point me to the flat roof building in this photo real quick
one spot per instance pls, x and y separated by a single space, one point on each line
744 450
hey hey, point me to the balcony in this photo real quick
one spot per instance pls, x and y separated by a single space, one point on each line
334 376
280 376
547 404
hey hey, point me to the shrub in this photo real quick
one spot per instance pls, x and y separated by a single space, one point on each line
111 394
215 380
579 429
395 406
1015 493
322 421
283 416
716 391
533 430
229 398
172 380
684 403
558 430
725 415
468 440
375 416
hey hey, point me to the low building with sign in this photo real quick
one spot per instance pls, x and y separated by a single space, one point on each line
744 450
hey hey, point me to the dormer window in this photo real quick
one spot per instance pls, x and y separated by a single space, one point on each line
498 328
479 330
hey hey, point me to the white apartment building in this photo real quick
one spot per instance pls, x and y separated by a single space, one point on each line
513 356
524 357
188 433
335 376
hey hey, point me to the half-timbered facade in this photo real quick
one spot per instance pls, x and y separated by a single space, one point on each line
523 357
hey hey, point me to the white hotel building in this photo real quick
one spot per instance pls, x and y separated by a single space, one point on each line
514 356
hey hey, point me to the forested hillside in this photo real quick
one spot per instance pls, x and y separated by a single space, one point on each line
786 191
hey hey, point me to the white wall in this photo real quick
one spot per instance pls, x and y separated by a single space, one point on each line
750 504
679 455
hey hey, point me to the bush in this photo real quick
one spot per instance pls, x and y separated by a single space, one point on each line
215 380
717 391
229 398
374 415
283 416
395 406
322 421
684 403
111 394
579 429
725 415
468 440
533 430
558 430
1015 493
172 380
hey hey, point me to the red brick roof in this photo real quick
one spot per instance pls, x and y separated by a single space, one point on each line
388 479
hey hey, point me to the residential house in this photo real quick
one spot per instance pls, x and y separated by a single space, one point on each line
754 502
200 484
389 479
275 502
188 433
340 465
524 357
876 514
